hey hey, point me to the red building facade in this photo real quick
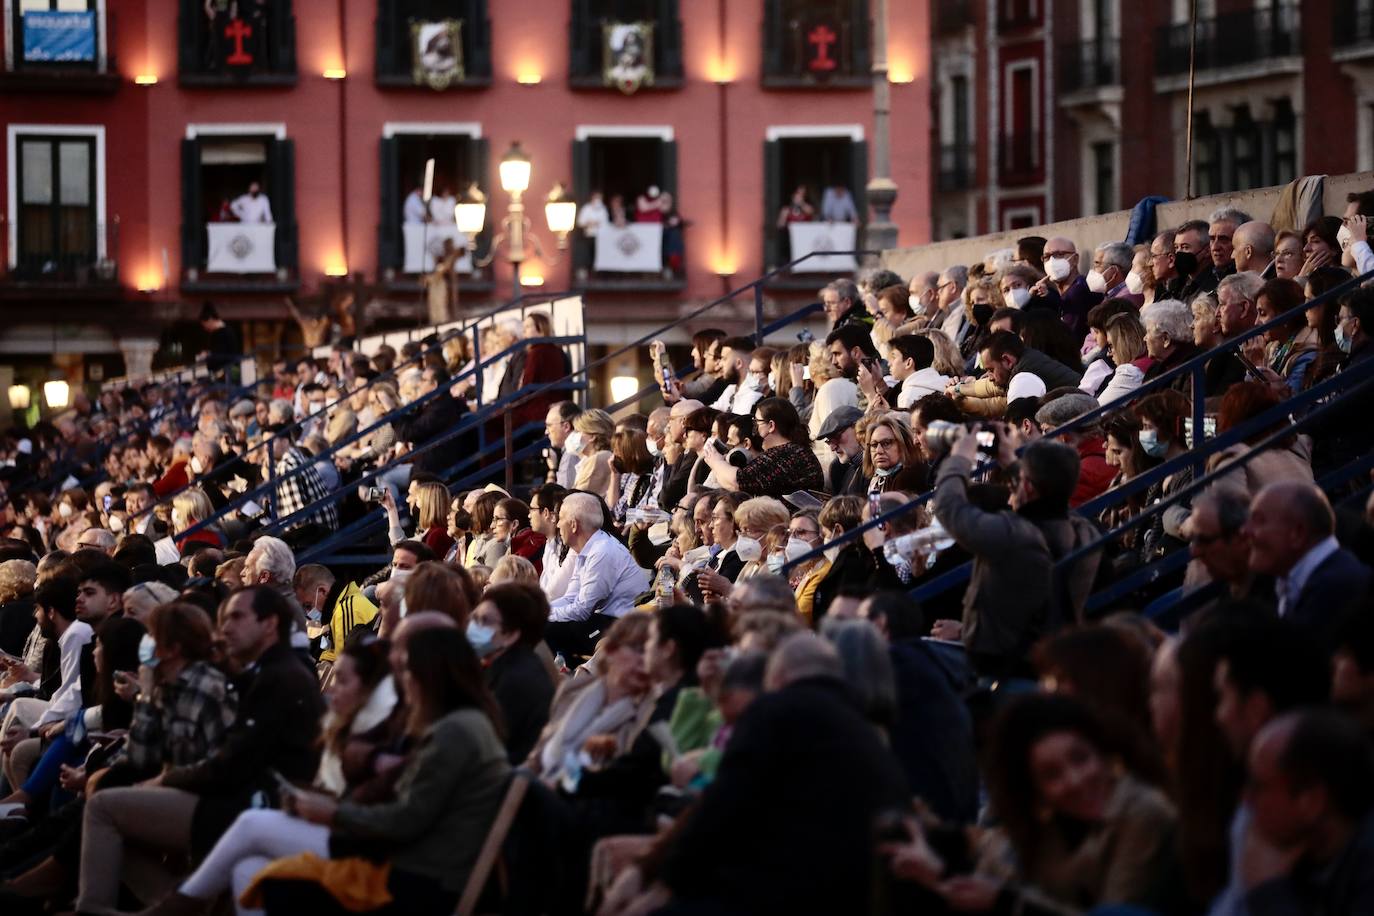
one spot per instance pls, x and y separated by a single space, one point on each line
119 167
1046 111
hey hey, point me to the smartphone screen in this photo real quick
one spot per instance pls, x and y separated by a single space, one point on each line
875 505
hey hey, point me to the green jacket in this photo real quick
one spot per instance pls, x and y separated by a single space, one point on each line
446 800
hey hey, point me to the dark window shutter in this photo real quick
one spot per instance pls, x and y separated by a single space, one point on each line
478 37
772 203
667 168
858 43
281 172
389 227
188 42
478 160
284 50
192 209
582 189
386 39
670 62
858 179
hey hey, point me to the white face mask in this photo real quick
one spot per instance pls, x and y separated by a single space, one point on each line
1134 283
1016 298
917 307
652 446
399 576
1344 236
1057 268
754 383
748 549
796 547
574 442
197 466
775 563
64 510
1096 282
832 552
116 524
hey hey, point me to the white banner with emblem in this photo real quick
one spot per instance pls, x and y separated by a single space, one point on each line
809 237
242 248
425 243
636 248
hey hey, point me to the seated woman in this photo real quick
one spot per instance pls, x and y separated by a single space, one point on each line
1126 340
602 700
787 462
505 629
698 428
429 505
429 833
891 460
754 519
190 507
486 548
632 468
1289 459
1282 353
1099 838
1161 417
713 580
510 524
593 430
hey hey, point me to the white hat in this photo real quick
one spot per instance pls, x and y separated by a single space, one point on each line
26 446
1025 385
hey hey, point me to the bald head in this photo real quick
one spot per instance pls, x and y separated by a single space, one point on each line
1065 249
1287 519
1252 246
1308 771
685 408
802 656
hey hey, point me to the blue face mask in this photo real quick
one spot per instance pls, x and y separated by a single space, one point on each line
147 651
482 638
775 563
1150 442
1342 340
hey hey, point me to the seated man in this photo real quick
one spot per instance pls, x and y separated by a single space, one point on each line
605 580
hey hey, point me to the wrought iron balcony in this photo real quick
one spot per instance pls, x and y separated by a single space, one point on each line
1090 64
1231 40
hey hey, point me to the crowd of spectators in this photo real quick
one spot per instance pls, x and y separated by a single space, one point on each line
680 668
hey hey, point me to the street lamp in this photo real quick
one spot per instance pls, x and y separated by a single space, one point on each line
57 393
19 397
560 211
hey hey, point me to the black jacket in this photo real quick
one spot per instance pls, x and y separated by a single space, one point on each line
1050 370
675 481
16 622
522 687
616 798
933 735
846 478
787 825
1331 589
277 728
438 416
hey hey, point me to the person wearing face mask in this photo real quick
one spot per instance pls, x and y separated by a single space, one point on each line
979 304
656 444
1190 264
1161 417
1015 283
591 439
504 631
1111 266
1064 289
755 519
631 473
891 461
848 564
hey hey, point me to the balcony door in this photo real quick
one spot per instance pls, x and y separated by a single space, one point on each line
58 205
460 159
821 165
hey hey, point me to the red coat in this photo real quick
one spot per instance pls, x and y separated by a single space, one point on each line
529 544
543 363
1095 475
173 480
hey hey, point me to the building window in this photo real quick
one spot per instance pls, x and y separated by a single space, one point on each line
609 47
1104 176
812 179
460 160
816 43
1247 155
238 211
630 229
956 153
57 36
1284 128
1017 14
57 206
1020 140
433 44
247 41
1206 157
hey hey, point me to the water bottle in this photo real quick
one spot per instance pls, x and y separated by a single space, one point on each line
663 586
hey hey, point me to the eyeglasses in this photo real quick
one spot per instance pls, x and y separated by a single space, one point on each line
500 518
1060 254
883 443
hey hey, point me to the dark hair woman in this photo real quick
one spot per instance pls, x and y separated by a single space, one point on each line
362 704
427 835
786 464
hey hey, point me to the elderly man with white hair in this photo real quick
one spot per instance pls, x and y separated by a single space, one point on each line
1111 264
605 580
1169 340
272 563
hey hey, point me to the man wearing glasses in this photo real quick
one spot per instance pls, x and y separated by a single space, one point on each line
1064 287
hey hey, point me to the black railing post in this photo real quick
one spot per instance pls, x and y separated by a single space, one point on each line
758 314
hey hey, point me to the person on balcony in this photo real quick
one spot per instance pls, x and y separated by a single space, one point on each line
253 207
837 205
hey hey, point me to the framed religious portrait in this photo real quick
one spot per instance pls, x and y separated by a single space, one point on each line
627 55
436 52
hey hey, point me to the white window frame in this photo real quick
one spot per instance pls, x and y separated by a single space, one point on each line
245 129
1013 212
588 131
855 132
471 129
12 132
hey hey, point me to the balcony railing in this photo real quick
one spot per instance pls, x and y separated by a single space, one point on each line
956 167
1020 158
1231 40
953 16
74 263
1352 24
1090 64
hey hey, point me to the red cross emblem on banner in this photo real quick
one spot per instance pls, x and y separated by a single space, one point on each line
820 39
236 31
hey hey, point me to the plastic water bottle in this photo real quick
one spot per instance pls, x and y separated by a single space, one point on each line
663 586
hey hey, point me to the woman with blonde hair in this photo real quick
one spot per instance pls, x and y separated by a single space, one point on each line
189 508
511 568
754 519
591 438
1126 339
430 504
890 459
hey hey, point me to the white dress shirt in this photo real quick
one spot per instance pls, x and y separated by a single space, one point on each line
591 216
837 206
555 575
605 580
1288 588
567 469
250 209
441 208
738 400
413 211
66 699
919 384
